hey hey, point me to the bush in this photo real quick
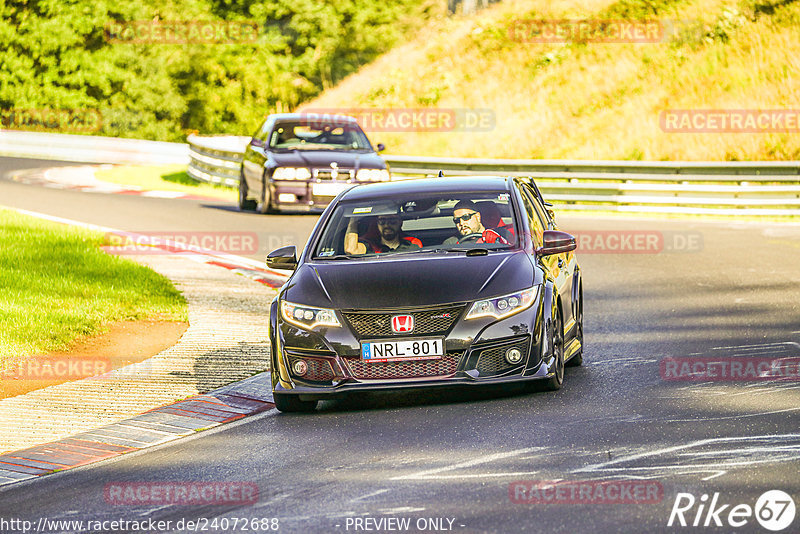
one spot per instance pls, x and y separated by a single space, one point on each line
58 55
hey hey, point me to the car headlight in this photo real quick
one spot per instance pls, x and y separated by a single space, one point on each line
505 306
308 317
373 175
291 173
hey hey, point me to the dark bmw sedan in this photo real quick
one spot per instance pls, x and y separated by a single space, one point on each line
423 283
301 162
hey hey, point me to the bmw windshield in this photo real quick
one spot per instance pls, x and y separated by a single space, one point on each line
418 223
318 135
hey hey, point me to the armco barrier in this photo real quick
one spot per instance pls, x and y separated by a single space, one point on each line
216 159
724 188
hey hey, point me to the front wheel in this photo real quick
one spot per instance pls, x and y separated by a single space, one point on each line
245 204
292 403
577 359
556 339
265 206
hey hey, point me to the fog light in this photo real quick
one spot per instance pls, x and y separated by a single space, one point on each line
287 197
300 367
513 356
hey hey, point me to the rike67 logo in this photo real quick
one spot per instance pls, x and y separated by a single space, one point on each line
774 510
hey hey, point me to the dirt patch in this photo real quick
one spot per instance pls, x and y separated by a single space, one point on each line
124 343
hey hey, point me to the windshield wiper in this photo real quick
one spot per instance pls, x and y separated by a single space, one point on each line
412 251
468 251
478 252
340 257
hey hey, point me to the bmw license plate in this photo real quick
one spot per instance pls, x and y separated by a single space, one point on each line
402 349
328 189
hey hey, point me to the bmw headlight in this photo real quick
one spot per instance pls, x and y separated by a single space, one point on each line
505 306
308 317
373 175
291 173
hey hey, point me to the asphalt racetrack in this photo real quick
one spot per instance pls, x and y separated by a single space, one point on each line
631 437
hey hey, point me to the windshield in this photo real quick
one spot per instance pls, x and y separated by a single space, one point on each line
450 222
318 135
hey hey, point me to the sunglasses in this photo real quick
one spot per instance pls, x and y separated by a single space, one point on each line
391 220
464 218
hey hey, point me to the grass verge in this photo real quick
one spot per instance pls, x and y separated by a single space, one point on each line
163 178
58 286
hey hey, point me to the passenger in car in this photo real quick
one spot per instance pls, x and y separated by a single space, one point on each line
384 235
467 217
492 218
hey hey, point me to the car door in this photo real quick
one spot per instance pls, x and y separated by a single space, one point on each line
561 265
255 156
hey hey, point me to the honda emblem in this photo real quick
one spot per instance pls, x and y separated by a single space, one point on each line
402 324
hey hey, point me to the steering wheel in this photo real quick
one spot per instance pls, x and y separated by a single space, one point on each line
470 237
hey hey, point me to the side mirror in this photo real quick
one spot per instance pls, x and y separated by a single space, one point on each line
283 258
381 147
556 242
258 143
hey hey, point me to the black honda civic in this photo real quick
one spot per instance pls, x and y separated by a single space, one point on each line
424 283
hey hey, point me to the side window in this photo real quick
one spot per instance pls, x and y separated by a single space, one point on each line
537 204
542 211
262 131
533 218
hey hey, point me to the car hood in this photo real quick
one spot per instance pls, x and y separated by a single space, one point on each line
324 158
425 280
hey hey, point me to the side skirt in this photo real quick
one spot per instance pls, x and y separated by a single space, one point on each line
572 349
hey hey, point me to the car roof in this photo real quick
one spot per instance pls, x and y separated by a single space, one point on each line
306 116
428 185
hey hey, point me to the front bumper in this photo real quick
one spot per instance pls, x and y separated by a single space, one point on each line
307 195
306 393
474 356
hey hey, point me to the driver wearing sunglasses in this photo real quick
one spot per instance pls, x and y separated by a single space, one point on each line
467 219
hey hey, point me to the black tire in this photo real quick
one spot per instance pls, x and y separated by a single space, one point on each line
245 204
292 403
265 206
577 359
556 343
